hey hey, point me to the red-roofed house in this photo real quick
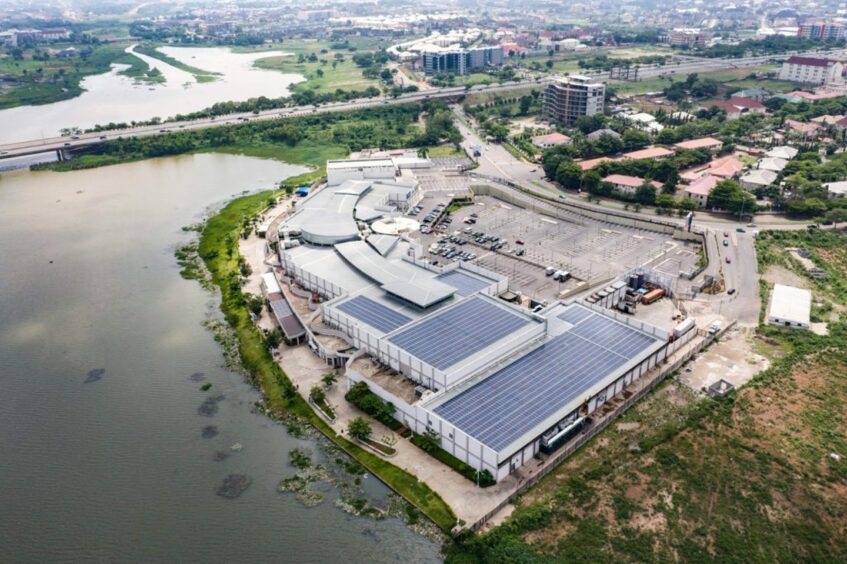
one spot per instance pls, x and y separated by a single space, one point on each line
811 70
700 189
628 184
651 153
550 140
803 129
734 107
726 167
703 143
591 163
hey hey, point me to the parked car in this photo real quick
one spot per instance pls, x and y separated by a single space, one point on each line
726 242
730 291
728 260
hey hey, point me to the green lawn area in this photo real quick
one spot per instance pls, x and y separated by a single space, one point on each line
346 75
731 77
445 151
43 82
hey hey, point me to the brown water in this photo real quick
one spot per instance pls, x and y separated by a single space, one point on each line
117 469
111 97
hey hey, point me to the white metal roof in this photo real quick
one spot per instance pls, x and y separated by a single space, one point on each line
399 278
789 303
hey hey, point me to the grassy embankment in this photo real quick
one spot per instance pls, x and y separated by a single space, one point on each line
200 75
218 248
53 80
759 476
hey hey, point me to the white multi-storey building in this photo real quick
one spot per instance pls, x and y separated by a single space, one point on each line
811 70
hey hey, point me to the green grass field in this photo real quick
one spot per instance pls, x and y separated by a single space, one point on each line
346 75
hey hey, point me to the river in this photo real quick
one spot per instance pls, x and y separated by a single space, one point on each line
112 97
116 469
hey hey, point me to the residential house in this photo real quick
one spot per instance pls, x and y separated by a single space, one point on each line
772 163
596 135
758 94
550 140
735 107
726 167
782 152
651 153
628 184
802 129
700 189
758 178
836 189
703 143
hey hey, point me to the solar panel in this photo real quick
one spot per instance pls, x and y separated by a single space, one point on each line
575 314
465 284
509 403
460 331
373 313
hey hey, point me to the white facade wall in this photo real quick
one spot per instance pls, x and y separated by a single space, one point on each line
811 74
362 171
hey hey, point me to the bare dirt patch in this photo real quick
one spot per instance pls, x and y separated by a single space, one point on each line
778 274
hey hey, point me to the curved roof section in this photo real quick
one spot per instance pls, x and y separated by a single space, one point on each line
405 281
326 217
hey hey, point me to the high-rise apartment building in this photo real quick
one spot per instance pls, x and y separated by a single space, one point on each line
567 99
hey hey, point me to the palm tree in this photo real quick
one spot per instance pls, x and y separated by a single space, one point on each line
329 379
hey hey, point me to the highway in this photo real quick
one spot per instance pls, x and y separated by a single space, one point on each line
684 65
31 147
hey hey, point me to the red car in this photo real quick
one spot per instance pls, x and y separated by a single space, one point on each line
726 233
728 260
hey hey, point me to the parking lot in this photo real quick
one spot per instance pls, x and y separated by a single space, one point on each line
523 244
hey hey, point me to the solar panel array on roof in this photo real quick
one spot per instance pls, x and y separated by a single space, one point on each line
615 337
512 401
575 314
373 313
460 331
465 284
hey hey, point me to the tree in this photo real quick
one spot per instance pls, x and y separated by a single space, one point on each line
319 72
729 195
665 201
646 193
687 204
359 429
329 379
317 394
608 145
569 175
634 139
837 215
255 304
592 182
